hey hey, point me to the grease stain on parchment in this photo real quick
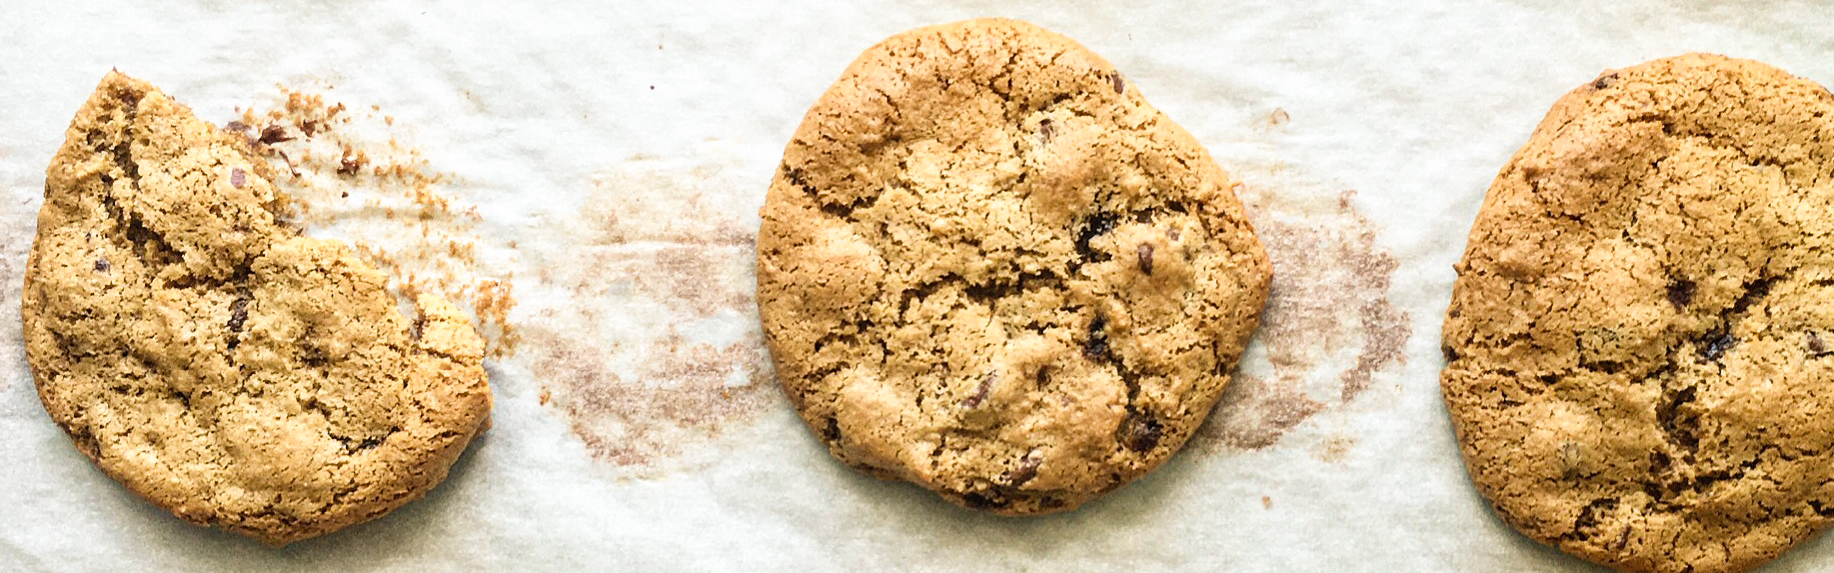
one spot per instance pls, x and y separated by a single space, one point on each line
656 351
1327 329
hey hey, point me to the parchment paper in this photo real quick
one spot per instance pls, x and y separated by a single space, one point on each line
617 155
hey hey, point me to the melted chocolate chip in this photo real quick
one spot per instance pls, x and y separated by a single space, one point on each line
1096 225
1096 348
1815 345
1139 431
980 390
237 177
1605 81
1120 85
1717 347
1146 258
274 134
1046 130
348 165
1680 293
1028 469
102 265
238 314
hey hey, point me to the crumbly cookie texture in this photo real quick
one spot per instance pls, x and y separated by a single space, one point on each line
1640 346
989 267
214 361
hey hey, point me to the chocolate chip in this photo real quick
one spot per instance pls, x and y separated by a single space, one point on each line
1139 431
238 314
1115 79
102 265
1448 352
349 165
1717 347
1680 293
1146 258
1605 81
237 177
309 128
1096 225
1046 130
1816 346
1096 348
236 126
1028 469
980 390
274 134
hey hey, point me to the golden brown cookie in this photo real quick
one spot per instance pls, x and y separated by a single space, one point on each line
1640 346
989 267
213 360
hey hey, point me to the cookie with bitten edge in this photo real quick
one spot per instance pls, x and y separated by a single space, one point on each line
1638 345
989 267
207 356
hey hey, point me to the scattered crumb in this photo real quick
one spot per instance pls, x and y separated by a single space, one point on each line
403 222
1267 502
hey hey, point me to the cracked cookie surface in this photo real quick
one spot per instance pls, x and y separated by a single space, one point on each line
1640 345
213 360
987 266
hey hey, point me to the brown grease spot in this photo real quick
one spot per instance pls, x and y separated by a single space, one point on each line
678 396
649 343
1254 413
1328 305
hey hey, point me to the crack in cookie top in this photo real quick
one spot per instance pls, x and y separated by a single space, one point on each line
1638 345
989 267
211 359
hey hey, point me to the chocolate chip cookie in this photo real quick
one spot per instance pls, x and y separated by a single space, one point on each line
1640 346
987 266
206 355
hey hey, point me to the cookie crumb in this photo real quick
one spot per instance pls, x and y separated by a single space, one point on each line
1146 258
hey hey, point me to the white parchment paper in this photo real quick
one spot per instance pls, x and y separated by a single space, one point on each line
617 154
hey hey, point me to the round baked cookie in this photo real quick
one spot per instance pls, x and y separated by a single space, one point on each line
214 361
989 267
1640 345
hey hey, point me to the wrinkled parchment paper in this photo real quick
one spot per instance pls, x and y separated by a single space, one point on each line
617 155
